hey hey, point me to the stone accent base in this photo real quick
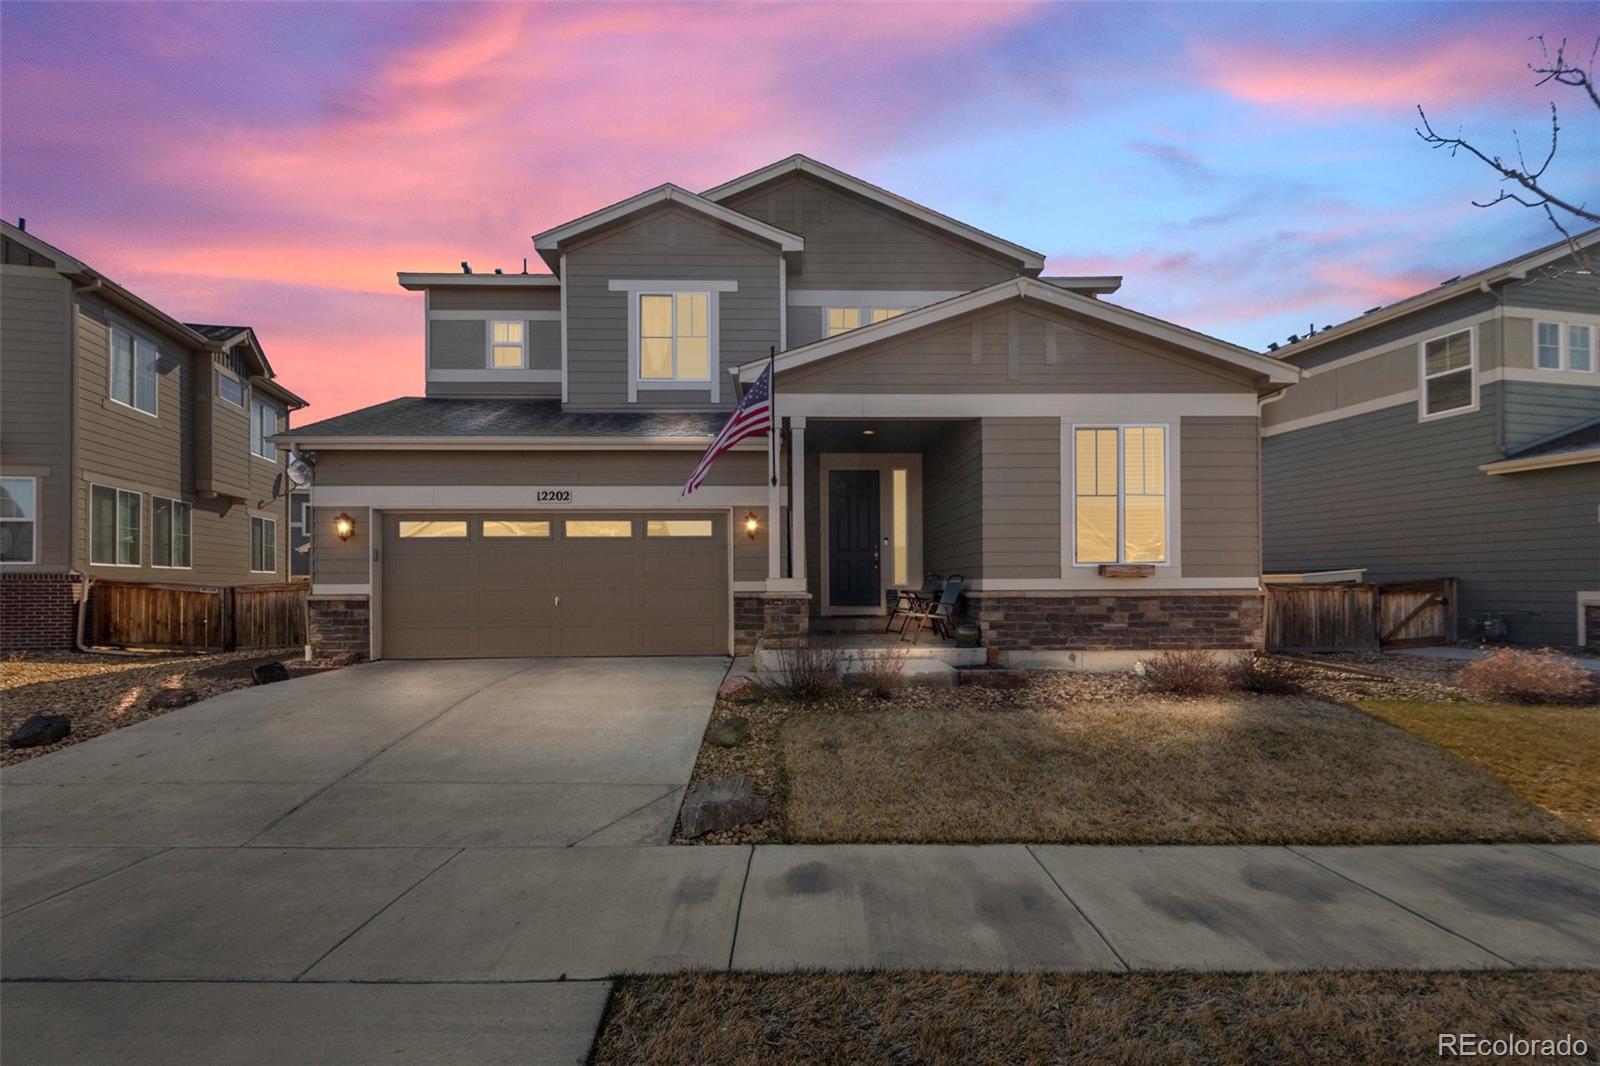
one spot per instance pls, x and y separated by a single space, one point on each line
768 614
1122 621
38 612
1591 627
339 626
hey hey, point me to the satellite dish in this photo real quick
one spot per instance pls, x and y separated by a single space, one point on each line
299 471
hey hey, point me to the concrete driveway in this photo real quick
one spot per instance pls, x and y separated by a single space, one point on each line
467 753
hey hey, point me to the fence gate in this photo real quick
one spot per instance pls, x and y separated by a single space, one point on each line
1360 617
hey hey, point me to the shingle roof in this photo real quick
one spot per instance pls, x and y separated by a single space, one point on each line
215 333
1583 435
417 416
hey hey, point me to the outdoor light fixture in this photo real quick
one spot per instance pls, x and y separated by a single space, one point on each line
752 525
344 527
868 432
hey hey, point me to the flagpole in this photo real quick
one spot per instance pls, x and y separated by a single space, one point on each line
772 400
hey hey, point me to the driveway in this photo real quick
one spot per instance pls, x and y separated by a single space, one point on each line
466 753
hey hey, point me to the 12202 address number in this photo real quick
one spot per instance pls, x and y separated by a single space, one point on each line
555 496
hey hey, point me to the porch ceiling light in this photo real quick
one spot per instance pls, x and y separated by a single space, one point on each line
752 525
868 432
344 527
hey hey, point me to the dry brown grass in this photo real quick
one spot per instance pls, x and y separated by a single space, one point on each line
759 1020
1145 769
1518 675
1550 756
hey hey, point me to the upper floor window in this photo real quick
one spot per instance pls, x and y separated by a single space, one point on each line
230 388
114 526
1448 371
19 519
133 370
844 319
1120 494
508 345
1564 346
265 420
675 336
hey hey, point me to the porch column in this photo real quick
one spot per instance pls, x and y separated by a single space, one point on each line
797 495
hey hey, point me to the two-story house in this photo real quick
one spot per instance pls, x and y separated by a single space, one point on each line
133 447
1455 433
941 406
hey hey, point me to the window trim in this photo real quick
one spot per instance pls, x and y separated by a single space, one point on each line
695 384
113 325
117 511
273 522
279 416
182 503
1563 328
713 291
1122 495
33 520
489 344
865 315
244 390
1472 366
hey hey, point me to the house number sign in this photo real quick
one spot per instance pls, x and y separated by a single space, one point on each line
554 496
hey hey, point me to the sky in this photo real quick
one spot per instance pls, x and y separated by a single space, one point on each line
1250 169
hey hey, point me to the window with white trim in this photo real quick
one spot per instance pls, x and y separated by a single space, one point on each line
1120 494
1564 346
674 336
265 420
263 545
171 526
881 314
1547 349
1449 370
19 520
843 319
114 526
508 345
134 364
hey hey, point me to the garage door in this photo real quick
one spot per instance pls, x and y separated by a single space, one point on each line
482 585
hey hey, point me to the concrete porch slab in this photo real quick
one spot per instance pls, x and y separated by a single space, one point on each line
211 914
28 875
910 907
1522 903
1245 908
145 1024
127 815
515 915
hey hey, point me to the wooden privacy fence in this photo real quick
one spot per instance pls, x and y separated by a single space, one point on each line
188 616
1360 617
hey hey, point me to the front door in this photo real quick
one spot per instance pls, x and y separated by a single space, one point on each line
853 539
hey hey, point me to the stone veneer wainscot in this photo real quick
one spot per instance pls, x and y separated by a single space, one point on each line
1117 621
339 625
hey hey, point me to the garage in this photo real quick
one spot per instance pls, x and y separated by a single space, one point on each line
512 584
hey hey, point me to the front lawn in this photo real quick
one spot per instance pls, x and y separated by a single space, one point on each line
759 1019
1074 758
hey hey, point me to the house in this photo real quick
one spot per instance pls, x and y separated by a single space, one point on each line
133 447
1455 433
942 405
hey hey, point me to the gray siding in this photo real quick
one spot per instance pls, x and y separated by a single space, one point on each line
1559 287
671 244
1021 494
750 556
1219 481
853 243
457 344
953 502
1534 410
35 324
542 469
1439 316
1406 500
494 298
805 325
340 562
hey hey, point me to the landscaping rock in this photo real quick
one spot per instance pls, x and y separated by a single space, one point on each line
171 698
729 732
992 676
267 673
740 689
718 803
40 730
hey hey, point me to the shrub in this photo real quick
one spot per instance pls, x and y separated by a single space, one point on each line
1263 678
881 675
1186 673
807 670
1518 676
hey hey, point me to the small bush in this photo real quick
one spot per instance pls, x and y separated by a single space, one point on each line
1186 673
881 675
1518 676
1263 678
807 670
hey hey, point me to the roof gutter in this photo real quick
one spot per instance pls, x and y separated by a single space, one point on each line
407 444
1543 462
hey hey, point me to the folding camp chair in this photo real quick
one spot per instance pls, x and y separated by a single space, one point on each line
915 599
940 613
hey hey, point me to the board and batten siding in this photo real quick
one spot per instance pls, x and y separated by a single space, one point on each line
852 243
672 245
1407 501
35 330
1219 514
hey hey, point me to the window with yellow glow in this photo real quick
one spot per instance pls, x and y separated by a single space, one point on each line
584 528
432 528
678 527
506 350
843 319
675 336
1120 494
900 520
504 527
879 314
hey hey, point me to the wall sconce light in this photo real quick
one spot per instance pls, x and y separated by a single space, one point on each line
344 527
752 525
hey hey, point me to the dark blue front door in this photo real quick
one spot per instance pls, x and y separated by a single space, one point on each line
853 532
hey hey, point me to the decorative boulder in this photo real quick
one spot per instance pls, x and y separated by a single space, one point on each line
40 730
729 732
740 689
170 698
267 673
720 803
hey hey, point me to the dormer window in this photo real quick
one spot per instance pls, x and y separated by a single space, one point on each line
675 337
508 346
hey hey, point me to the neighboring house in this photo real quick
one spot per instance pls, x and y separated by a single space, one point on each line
133 447
1454 434
300 534
942 408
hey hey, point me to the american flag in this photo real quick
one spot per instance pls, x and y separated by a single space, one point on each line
751 418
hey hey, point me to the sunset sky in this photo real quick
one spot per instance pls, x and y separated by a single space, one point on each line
1250 169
